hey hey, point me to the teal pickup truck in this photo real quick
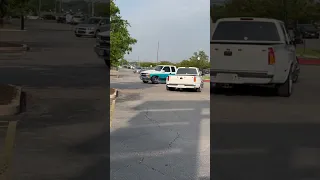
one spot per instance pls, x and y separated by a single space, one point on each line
158 74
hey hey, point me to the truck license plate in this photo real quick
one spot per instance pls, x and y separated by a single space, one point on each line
227 77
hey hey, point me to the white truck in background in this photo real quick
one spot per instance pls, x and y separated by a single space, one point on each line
185 78
253 51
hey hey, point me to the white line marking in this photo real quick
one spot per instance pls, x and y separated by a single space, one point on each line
165 110
121 156
161 124
205 111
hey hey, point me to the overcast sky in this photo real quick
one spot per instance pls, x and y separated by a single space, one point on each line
181 26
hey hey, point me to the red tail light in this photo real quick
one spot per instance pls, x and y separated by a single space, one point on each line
168 78
271 56
194 79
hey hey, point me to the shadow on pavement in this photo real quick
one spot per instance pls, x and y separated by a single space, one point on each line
249 151
42 76
160 141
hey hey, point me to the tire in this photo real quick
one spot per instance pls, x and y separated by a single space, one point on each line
145 82
169 88
217 89
155 80
199 89
78 35
285 89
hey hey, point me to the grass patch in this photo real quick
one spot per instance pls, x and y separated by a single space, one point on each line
205 77
301 52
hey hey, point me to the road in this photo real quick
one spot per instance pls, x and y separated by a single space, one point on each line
256 135
63 135
159 134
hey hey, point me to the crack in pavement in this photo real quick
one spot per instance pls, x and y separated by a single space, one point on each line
170 144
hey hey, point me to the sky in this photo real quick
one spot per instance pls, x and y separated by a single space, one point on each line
182 27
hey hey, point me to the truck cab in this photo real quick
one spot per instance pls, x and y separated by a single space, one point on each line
102 48
158 74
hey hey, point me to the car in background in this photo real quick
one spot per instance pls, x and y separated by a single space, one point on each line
137 70
92 27
61 18
308 31
48 17
77 19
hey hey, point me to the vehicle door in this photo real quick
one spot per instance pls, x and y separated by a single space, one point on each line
290 48
165 72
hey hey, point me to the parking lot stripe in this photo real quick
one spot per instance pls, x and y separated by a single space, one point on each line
160 124
165 152
205 111
166 110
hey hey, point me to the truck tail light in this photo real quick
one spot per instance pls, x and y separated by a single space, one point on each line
271 56
194 79
168 78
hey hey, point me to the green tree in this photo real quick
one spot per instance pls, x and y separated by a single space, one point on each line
120 40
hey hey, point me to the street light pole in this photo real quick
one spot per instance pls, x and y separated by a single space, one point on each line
158 53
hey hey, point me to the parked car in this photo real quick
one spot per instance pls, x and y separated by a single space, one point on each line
102 48
158 74
48 17
77 19
92 27
61 19
258 52
137 70
185 78
308 31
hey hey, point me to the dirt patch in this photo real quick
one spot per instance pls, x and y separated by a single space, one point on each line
7 93
9 44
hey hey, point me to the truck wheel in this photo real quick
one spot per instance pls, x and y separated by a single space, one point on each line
155 80
145 81
78 35
285 89
169 88
217 89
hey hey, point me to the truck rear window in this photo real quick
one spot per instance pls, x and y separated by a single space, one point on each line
186 71
246 30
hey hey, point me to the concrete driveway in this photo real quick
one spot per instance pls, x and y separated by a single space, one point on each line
159 134
260 136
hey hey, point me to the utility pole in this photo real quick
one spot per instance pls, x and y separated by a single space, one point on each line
158 53
40 4
92 8
285 11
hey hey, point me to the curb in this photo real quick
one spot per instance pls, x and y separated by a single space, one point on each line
305 61
15 49
206 80
14 106
113 105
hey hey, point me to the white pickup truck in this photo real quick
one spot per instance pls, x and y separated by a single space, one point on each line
185 78
254 51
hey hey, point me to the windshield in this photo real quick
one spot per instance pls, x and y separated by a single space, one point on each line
187 71
246 30
93 21
158 68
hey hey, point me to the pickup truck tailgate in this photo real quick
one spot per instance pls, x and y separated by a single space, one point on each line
241 58
181 80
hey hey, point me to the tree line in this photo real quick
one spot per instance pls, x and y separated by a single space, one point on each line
202 63
292 11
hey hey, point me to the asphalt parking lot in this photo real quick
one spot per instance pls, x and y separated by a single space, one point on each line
63 133
159 134
256 135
